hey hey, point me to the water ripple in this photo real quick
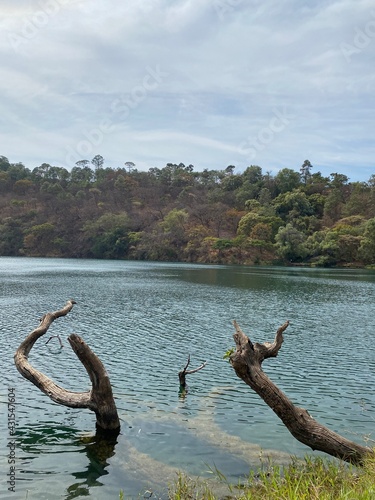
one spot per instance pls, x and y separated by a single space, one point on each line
144 319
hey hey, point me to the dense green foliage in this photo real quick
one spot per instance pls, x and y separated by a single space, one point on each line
177 214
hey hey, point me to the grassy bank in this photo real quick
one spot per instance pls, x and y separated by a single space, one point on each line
311 479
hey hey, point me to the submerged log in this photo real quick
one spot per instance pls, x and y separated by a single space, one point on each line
247 363
99 399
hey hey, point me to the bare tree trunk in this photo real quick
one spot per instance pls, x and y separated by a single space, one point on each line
247 363
99 399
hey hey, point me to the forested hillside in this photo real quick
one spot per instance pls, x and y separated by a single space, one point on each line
177 214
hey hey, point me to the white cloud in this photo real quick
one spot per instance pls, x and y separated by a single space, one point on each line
225 71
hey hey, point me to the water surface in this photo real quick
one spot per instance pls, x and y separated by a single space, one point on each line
143 320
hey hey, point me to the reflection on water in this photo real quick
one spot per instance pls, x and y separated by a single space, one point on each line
48 438
143 320
99 449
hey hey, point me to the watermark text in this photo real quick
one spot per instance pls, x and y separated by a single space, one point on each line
38 20
11 445
362 38
254 144
120 110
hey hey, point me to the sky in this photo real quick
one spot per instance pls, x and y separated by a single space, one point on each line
210 83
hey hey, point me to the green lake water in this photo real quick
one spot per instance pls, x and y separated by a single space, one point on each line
143 319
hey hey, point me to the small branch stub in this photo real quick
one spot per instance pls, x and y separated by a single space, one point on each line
182 375
99 399
53 337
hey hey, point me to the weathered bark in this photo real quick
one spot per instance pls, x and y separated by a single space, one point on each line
247 361
99 399
182 375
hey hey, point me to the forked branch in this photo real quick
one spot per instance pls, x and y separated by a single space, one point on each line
99 399
247 361
182 374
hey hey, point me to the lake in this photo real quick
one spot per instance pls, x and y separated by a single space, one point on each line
143 319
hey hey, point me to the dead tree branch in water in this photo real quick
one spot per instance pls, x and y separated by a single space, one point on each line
182 375
99 399
54 337
247 363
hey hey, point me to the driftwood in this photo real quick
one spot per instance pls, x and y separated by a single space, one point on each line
182 375
247 363
99 399
55 337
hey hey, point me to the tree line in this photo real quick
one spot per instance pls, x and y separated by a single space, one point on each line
178 214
